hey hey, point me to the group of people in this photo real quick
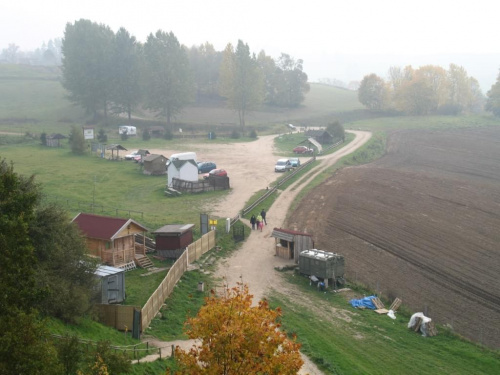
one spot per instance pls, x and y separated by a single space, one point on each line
259 221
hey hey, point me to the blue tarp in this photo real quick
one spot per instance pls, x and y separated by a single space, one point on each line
365 302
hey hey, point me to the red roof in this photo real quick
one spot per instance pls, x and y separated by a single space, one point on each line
102 227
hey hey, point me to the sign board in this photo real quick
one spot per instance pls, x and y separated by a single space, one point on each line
88 132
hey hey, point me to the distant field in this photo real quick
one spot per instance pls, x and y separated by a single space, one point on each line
32 99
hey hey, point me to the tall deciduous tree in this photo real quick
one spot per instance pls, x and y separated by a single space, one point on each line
493 101
459 87
205 64
241 80
373 92
293 84
237 338
168 78
86 67
126 73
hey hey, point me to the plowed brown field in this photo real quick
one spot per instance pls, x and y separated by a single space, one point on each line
422 224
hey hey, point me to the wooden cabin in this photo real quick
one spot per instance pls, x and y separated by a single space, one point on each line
321 136
112 238
172 240
290 243
154 164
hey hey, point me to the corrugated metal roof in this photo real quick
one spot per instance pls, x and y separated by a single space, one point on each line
107 270
102 227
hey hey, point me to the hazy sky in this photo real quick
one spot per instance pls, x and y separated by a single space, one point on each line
336 39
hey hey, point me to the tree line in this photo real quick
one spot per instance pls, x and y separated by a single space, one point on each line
113 73
427 90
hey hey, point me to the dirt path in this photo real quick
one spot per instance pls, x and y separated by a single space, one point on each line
254 262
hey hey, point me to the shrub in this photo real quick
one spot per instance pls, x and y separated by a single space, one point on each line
253 134
235 134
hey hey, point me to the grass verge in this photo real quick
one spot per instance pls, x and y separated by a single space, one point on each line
342 340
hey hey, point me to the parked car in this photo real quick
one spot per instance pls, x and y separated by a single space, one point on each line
303 150
295 162
282 165
206 166
132 155
215 172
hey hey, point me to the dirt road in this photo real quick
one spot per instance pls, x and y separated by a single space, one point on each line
254 262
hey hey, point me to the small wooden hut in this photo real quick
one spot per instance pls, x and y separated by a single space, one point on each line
154 164
172 240
54 140
290 243
321 136
112 238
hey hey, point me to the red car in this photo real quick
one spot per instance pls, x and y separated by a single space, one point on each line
215 172
303 150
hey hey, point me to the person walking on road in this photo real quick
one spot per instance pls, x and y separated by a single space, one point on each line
260 224
252 221
263 214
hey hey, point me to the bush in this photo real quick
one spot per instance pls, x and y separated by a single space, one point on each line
253 134
43 138
235 134
102 136
146 136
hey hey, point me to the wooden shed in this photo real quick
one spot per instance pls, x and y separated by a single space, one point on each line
290 243
156 131
322 136
112 281
54 140
183 170
112 238
172 240
154 164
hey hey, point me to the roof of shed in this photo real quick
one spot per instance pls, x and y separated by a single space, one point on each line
116 147
174 228
103 270
287 235
152 157
179 163
102 227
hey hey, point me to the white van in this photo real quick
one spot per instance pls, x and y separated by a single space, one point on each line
127 129
182 156
283 165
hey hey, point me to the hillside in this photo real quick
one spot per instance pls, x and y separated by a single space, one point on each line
31 97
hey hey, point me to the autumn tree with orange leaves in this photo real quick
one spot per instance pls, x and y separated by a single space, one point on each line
238 338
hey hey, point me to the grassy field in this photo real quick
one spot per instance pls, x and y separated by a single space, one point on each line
369 343
32 100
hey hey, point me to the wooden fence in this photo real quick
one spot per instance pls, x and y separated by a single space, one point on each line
193 252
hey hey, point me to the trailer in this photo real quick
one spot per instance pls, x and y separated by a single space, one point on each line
322 265
127 129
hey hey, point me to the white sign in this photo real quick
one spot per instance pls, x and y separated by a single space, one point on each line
88 133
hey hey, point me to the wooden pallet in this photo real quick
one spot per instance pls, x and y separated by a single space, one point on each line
127 266
395 305
378 303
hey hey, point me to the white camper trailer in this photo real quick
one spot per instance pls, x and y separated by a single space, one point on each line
127 129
